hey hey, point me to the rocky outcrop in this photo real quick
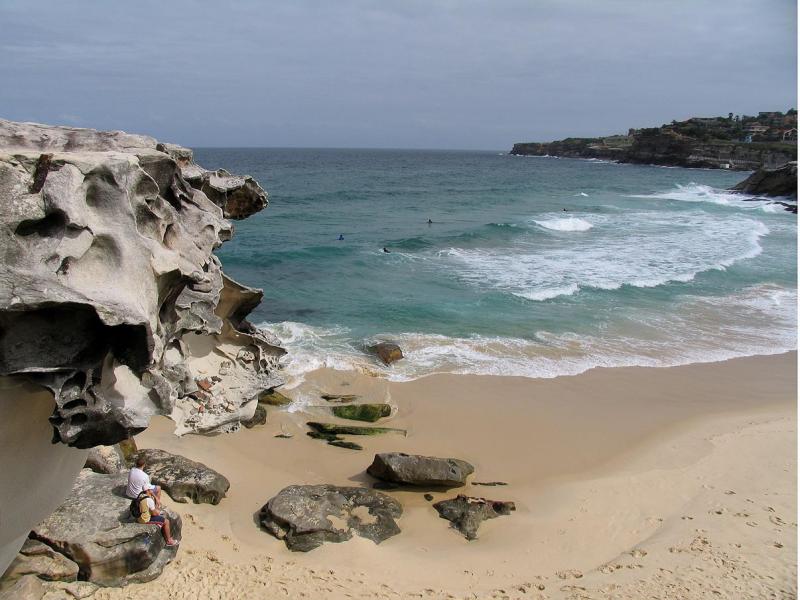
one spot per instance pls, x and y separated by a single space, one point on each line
771 182
413 469
387 352
83 209
466 513
307 516
113 305
184 479
94 529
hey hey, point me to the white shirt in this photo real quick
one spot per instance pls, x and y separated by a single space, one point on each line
138 481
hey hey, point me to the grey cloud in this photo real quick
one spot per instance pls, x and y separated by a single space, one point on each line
450 74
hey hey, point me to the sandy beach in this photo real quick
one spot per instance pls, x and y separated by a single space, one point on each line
629 483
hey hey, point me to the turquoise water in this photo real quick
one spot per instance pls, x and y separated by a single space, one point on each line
646 266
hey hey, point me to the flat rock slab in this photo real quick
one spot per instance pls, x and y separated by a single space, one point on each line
307 516
183 478
413 469
466 513
362 412
93 527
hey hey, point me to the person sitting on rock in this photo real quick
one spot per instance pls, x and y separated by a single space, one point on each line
150 515
139 481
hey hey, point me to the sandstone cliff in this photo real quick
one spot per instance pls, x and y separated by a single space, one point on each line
113 307
666 148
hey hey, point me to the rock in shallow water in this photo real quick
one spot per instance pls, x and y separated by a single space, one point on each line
306 516
413 469
362 412
93 528
183 478
387 352
466 513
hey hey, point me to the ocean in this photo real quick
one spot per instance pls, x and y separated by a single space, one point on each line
531 266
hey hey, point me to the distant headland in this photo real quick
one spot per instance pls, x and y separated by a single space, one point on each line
742 143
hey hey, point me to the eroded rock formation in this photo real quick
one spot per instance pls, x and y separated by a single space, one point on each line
113 307
111 296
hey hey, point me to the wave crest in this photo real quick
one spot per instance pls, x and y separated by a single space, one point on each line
566 224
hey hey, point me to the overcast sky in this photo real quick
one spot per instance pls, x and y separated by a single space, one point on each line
391 73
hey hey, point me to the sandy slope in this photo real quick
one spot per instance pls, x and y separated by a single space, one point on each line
629 483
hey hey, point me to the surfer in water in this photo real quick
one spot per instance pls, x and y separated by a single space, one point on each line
385 249
341 237
430 222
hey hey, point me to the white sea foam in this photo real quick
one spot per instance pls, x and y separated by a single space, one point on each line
694 192
758 320
566 224
635 249
549 293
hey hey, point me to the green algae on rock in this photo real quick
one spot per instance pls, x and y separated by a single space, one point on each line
362 412
273 398
332 428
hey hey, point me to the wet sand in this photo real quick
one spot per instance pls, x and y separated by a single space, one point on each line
634 482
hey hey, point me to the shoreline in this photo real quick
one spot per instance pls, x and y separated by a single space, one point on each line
617 466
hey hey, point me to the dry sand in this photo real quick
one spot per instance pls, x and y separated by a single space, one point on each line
629 483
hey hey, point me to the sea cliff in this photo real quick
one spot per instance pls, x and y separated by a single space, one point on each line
722 144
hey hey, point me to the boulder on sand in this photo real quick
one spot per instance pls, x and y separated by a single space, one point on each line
413 469
466 513
93 527
388 352
182 478
306 516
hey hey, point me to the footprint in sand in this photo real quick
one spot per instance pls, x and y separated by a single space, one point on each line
638 553
569 574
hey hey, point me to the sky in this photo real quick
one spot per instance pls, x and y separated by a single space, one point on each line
457 74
